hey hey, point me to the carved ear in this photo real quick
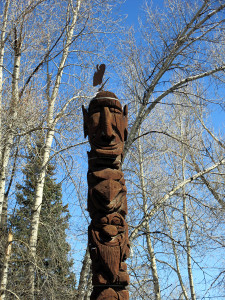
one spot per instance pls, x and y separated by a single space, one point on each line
125 134
125 113
125 110
85 121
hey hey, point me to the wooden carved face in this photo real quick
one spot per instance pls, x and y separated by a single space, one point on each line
111 230
105 123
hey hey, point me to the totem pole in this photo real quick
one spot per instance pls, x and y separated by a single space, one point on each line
105 123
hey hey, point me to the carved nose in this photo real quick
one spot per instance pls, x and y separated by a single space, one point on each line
107 130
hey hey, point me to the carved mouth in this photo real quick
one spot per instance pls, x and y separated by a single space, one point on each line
106 146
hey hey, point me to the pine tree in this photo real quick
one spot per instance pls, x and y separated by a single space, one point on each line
54 278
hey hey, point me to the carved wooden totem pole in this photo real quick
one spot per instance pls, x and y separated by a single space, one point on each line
105 123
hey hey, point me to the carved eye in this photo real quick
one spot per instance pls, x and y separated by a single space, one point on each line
115 110
95 110
104 220
116 221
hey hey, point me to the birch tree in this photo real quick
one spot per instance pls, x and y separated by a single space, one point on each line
178 45
179 206
51 123
147 227
180 48
2 50
18 112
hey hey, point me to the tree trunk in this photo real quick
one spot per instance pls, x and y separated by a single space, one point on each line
6 266
207 183
89 286
5 154
147 227
83 282
188 248
36 215
176 260
8 139
48 144
2 50
185 218
153 264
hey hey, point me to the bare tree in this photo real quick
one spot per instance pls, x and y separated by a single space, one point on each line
3 34
147 227
178 56
179 205
179 46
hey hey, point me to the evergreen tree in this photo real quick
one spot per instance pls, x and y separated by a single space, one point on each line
54 278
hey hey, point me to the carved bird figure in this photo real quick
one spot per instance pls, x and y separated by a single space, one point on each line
98 75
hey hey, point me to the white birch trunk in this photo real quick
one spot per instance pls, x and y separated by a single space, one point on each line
8 140
207 183
36 214
147 227
185 218
6 266
84 280
89 287
2 162
176 259
48 144
6 143
188 248
4 213
153 264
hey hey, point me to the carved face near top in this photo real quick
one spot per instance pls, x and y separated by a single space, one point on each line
105 123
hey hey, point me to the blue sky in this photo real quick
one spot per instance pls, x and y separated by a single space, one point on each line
133 8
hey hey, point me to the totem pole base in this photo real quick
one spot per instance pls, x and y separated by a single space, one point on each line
103 293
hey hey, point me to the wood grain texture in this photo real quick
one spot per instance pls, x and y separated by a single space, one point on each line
105 124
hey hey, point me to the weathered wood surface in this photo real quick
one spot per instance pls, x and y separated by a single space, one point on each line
105 124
